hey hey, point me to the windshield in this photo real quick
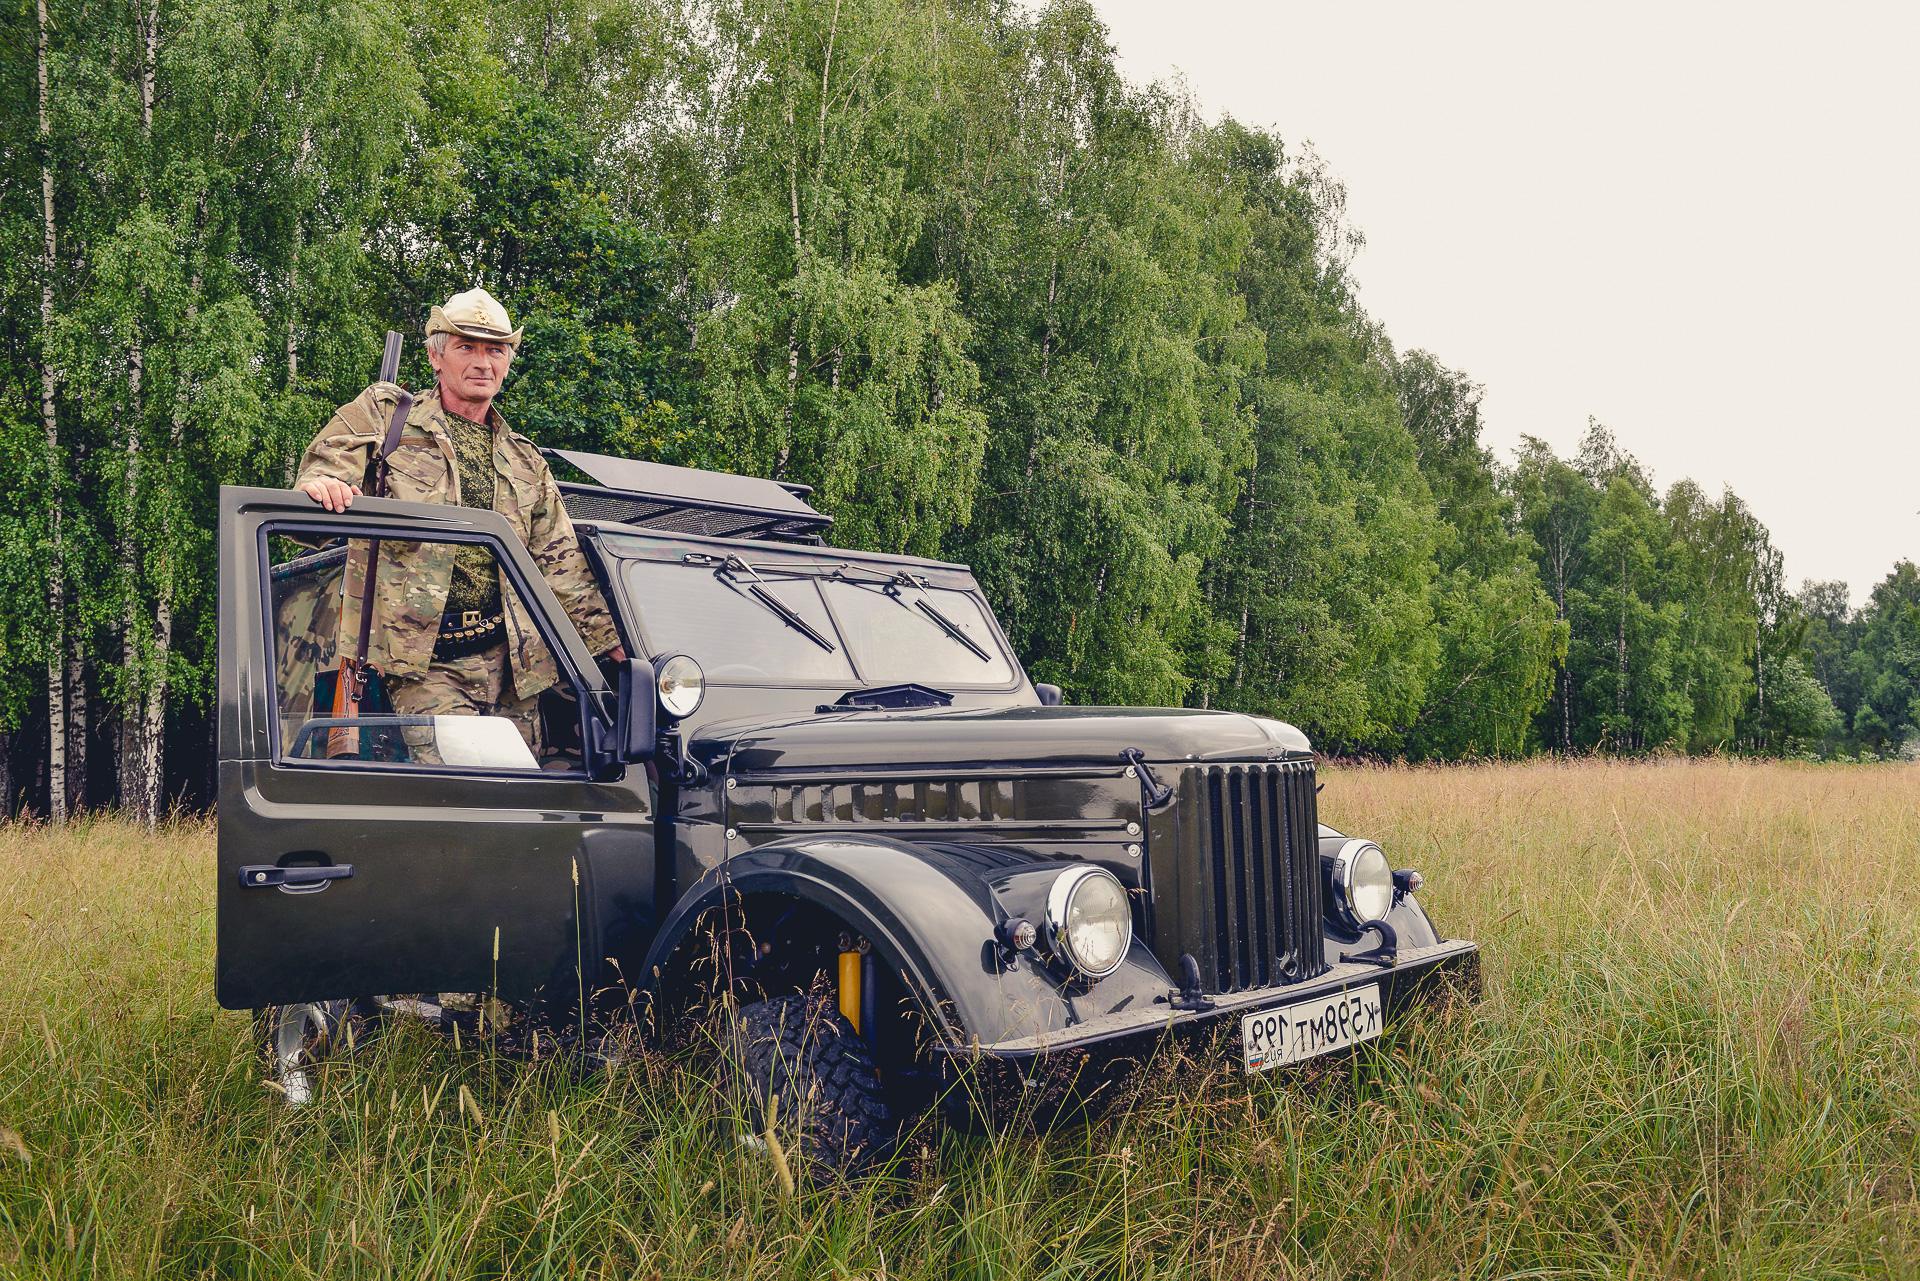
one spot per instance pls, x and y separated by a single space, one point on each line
900 637
688 609
789 624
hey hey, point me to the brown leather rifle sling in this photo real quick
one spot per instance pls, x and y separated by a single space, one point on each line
350 682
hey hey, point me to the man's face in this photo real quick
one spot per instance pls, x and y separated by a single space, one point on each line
471 368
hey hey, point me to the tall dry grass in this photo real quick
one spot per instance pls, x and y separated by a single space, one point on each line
1696 1057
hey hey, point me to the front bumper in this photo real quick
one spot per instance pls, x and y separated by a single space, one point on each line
1078 1063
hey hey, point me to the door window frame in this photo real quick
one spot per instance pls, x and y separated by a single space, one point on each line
587 700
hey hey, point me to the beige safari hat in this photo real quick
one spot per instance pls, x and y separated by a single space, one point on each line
476 314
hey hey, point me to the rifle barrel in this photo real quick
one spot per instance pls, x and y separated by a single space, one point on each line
390 358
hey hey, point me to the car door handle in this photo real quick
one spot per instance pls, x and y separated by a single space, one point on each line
260 876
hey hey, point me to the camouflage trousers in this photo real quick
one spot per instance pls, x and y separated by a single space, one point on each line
475 685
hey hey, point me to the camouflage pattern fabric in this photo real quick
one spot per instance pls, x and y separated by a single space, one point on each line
411 592
475 685
306 622
476 583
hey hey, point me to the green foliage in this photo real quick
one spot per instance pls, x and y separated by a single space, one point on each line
1500 639
1681 634
1831 641
827 362
25 636
1109 342
1799 715
1881 681
1323 585
528 215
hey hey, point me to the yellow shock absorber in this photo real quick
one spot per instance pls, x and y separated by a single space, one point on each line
850 987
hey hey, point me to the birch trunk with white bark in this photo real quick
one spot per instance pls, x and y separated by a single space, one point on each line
79 709
127 746
793 321
56 568
150 759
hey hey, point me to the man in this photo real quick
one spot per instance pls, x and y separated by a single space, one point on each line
449 634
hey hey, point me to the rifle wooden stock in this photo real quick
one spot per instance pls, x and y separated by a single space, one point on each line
348 688
350 682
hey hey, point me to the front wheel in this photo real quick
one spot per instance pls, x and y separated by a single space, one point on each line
830 1112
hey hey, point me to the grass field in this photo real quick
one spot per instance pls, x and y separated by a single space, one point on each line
1699 1055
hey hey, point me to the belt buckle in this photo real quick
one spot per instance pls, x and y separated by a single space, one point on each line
470 618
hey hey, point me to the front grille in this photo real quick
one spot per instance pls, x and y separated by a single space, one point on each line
1236 875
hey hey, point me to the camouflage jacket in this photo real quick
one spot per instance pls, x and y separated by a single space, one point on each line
413 578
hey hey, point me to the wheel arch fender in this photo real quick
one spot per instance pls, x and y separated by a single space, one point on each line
931 912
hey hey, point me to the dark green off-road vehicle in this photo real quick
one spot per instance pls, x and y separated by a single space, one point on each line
822 797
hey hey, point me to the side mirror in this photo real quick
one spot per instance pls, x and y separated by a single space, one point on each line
637 728
1049 694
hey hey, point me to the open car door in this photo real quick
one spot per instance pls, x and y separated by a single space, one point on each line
400 853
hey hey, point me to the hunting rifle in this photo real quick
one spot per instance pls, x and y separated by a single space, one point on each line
350 682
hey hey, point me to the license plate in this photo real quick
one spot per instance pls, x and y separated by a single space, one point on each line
1290 1033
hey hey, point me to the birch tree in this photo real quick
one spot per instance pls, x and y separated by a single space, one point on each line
54 471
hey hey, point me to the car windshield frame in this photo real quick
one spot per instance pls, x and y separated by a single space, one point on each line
774 563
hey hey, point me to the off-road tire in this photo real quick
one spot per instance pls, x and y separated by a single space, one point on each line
832 1117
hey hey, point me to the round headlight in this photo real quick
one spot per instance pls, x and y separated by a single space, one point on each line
1089 922
1362 883
682 684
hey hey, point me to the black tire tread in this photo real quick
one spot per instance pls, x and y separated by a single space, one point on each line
832 1115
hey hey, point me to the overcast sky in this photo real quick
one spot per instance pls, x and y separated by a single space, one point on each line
1698 223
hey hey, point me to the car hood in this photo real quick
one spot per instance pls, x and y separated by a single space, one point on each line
1030 735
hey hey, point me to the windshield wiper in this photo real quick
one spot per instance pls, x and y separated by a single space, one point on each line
760 572
952 629
787 613
890 588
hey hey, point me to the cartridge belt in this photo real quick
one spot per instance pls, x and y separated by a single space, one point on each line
468 632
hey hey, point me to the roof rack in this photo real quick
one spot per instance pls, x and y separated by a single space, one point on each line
687 500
